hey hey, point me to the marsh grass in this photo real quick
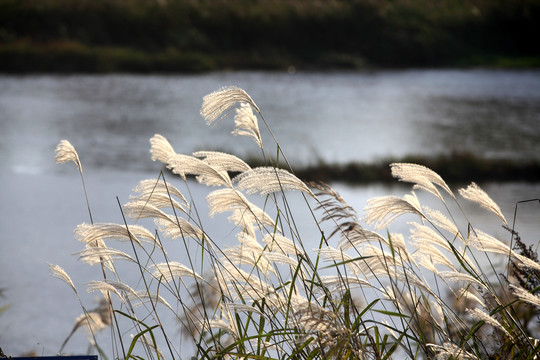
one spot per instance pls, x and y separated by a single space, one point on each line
355 290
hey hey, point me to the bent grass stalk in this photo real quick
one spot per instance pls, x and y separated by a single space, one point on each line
279 295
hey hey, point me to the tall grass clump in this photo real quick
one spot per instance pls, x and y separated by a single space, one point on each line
356 290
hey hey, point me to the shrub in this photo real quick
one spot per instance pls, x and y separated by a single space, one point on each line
271 296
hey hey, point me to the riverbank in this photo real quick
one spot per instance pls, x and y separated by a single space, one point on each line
456 168
139 36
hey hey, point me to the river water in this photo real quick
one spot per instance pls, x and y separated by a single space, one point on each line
336 117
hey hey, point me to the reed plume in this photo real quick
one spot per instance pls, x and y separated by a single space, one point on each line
65 152
474 193
217 104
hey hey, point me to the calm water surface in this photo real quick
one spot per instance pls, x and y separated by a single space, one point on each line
336 117
332 116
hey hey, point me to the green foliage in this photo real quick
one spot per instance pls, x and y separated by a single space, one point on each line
276 34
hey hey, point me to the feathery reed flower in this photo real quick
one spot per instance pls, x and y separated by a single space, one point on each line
110 286
382 211
178 228
223 161
526 296
466 297
160 194
216 104
421 176
450 351
478 314
94 321
279 242
357 236
474 193
458 276
485 242
246 124
59 273
233 200
160 149
65 152
205 173
440 221
94 234
97 255
266 180
172 270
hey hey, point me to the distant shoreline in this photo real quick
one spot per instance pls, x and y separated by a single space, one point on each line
457 168
186 36
71 58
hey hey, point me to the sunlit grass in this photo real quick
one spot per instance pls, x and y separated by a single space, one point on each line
354 291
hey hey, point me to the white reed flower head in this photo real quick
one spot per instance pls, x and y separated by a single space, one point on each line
93 255
93 321
150 188
421 176
59 273
422 234
249 252
526 296
107 285
439 220
217 104
140 209
343 283
223 326
399 246
277 242
160 149
246 123
278 257
451 351
173 270
478 314
90 323
95 234
178 228
373 263
428 256
183 165
266 180
465 296
458 276
232 200
223 161
474 193
358 236
484 242
382 211
144 296
65 152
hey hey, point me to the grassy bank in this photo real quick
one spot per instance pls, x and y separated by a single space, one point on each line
457 168
188 35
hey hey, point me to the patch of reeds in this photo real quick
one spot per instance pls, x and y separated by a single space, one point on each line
354 290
